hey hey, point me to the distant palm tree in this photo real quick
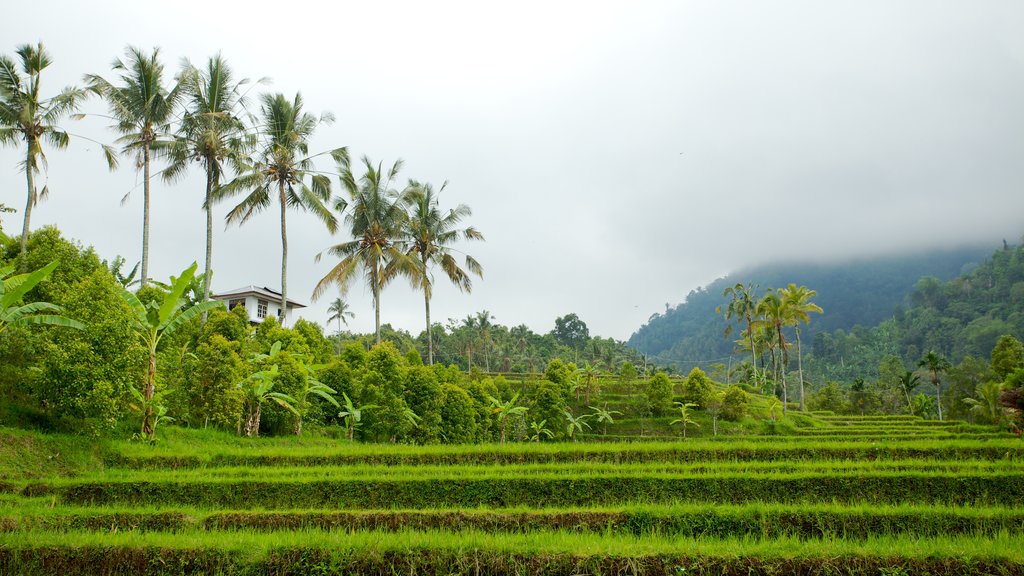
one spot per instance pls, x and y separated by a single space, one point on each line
27 117
375 217
742 305
430 235
282 166
144 110
339 311
799 306
775 312
936 365
211 133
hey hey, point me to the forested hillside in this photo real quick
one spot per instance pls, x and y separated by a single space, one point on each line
864 293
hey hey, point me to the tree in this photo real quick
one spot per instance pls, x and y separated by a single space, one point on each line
936 365
144 110
575 423
697 387
284 168
352 415
212 134
375 217
908 381
32 119
539 431
258 389
151 323
605 417
742 305
589 375
987 406
339 310
684 416
571 332
775 312
715 403
1007 356
734 403
431 233
502 410
798 305
659 393
14 287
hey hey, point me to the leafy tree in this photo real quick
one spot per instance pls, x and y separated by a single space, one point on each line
659 393
571 332
798 304
423 395
715 403
144 110
258 389
431 233
936 365
1007 356
627 374
684 416
384 386
212 134
697 388
160 318
283 167
922 406
734 403
549 405
26 116
829 398
375 218
458 415
211 387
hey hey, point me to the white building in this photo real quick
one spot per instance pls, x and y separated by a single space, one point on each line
259 302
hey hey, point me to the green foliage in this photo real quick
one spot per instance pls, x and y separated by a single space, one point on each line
559 373
1007 356
423 396
211 393
830 397
697 388
734 403
549 405
571 332
659 394
458 416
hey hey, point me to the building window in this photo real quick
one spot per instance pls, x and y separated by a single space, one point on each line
279 315
236 302
261 309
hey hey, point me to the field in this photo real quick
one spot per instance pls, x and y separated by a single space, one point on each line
845 495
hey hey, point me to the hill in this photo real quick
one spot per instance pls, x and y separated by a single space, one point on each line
862 292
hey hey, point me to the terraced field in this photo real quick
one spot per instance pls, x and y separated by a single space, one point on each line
859 495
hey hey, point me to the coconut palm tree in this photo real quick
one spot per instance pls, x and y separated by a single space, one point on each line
798 303
27 117
212 134
339 310
743 305
430 235
375 216
936 365
144 110
283 168
775 312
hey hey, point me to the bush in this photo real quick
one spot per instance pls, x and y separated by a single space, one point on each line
734 403
697 388
659 394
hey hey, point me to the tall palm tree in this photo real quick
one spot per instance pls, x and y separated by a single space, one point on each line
743 305
936 365
282 166
339 310
430 235
212 134
144 110
27 117
775 312
483 322
798 304
375 215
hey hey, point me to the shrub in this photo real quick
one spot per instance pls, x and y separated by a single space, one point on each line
697 388
734 403
659 394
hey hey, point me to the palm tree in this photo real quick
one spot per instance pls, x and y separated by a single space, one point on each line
431 233
936 365
908 381
775 312
375 216
27 117
339 310
143 109
798 304
742 305
281 167
482 322
212 134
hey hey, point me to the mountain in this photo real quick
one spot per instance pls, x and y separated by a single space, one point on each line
861 292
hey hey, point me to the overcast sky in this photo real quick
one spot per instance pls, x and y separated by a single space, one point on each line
615 155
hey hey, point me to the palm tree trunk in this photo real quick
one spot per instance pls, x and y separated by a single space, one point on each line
800 368
284 253
753 350
145 215
209 239
430 335
938 397
28 205
376 309
782 371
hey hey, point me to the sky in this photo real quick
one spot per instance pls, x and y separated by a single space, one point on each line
616 155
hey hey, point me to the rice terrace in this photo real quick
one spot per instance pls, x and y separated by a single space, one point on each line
567 288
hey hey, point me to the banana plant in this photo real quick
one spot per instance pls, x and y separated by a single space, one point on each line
352 415
505 409
154 405
539 431
604 417
684 416
576 423
14 287
258 389
151 322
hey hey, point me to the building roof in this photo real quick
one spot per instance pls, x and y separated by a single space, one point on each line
258 291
